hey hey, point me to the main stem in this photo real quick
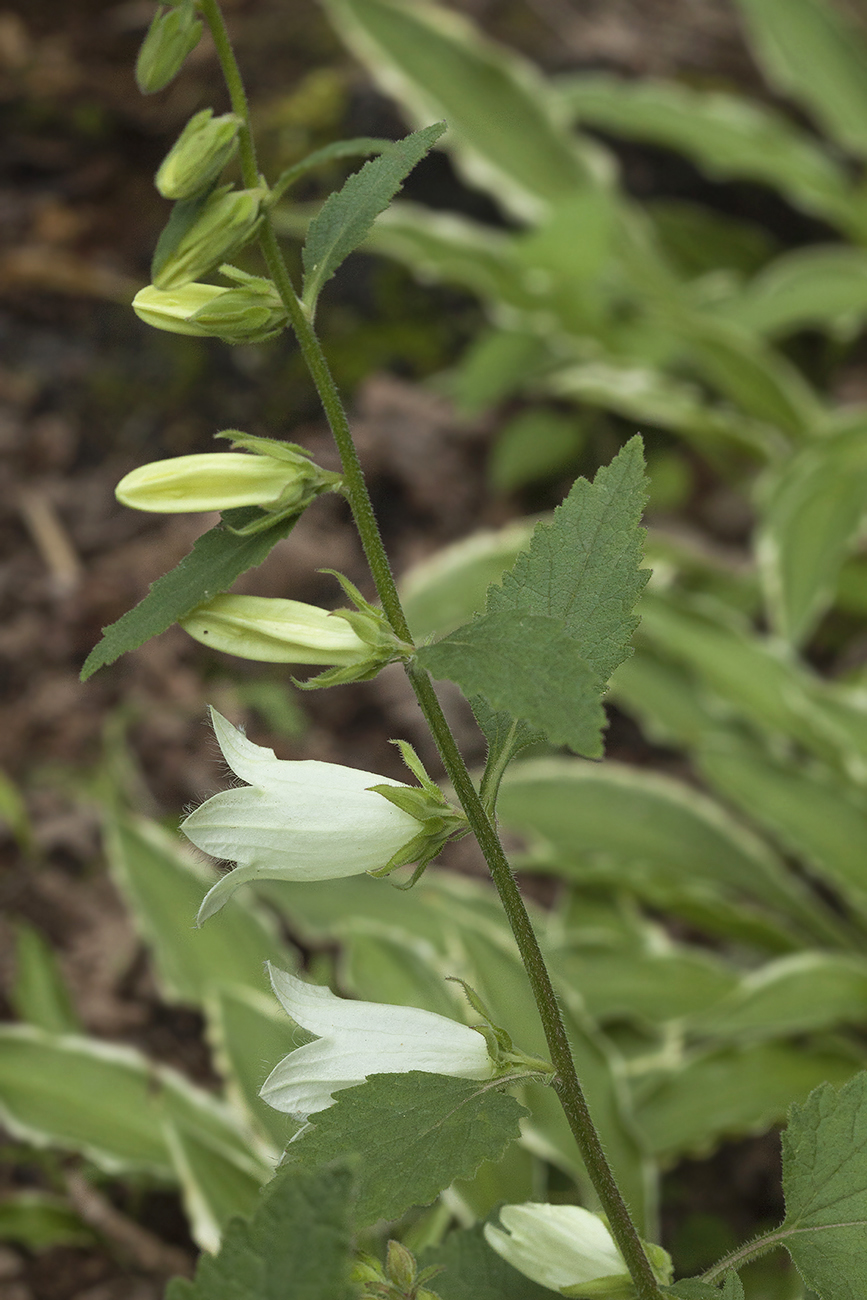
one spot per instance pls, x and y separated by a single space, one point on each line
567 1084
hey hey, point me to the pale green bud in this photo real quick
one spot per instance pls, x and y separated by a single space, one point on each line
216 480
198 155
277 631
173 310
250 313
171 37
226 221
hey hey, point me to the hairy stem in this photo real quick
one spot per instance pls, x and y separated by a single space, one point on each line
567 1084
744 1254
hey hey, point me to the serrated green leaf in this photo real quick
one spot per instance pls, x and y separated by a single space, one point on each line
359 147
410 1136
440 66
472 1271
347 215
727 135
584 567
163 886
811 514
520 662
825 1185
731 1093
733 1288
216 560
691 1288
297 1242
809 52
39 994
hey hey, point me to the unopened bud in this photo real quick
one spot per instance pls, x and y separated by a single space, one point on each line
226 221
276 631
198 155
171 37
217 480
248 314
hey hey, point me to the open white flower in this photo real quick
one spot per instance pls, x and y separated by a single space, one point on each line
295 820
558 1246
355 1039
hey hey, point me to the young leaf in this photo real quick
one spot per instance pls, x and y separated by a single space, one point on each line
297 1242
733 1288
691 1288
521 663
472 1271
216 560
825 1184
506 737
563 612
347 215
410 1135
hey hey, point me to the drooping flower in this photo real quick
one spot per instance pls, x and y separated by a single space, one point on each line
276 631
569 1250
355 1039
198 155
307 820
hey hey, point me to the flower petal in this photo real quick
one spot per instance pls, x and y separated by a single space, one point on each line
556 1245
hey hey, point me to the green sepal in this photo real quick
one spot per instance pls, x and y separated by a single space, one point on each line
317 481
370 624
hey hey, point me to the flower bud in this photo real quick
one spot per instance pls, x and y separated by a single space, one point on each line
276 631
216 480
198 155
170 38
250 313
174 310
226 221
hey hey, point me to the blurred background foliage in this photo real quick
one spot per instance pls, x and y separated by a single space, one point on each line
646 216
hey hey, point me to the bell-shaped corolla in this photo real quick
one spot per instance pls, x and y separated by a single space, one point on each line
211 480
173 34
568 1250
295 820
355 1039
225 222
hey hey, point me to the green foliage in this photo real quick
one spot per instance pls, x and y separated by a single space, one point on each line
562 613
408 1136
39 994
38 1220
825 1182
346 215
216 560
472 1271
298 1238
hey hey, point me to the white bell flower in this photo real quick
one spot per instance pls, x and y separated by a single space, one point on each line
355 1039
556 1245
295 820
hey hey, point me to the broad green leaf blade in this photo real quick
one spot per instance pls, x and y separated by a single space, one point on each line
520 663
807 991
250 1033
438 65
728 136
39 994
822 286
648 988
810 53
164 886
410 1136
472 1271
584 567
347 215
825 1184
215 1188
642 823
812 512
296 1243
728 1093
811 814
649 396
216 560
105 1101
